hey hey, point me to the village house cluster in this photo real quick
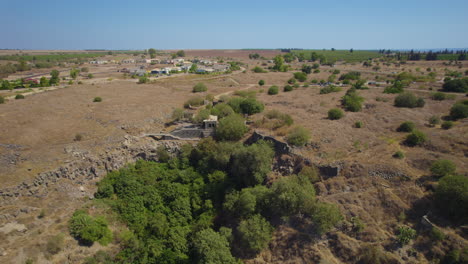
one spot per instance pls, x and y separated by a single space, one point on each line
173 66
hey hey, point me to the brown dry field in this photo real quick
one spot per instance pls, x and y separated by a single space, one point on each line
35 132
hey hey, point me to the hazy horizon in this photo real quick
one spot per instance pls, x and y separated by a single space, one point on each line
208 24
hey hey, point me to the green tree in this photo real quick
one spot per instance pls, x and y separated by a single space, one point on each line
279 63
231 127
251 106
255 233
250 165
298 136
451 197
292 195
193 68
211 247
261 82
54 80
152 53
180 53
222 110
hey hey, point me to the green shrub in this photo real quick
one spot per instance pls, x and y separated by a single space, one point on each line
459 110
284 119
78 137
212 247
199 87
300 76
358 124
251 106
437 234
19 96
288 88
396 87
441 168
258 69
177 114
89 229
438 96
298 136
222 110
311 173
416 138
101 257
434 120
330 89
358 224
352 101
408 99
406 126
405 235
350 76
55 244
447 124
273 90
255 233
316 71
399 155
194 101
292 81
325 216
292 195
451 197
231 127
261 82
456 85
371 254
2 100
143 79
97 99
162 154
335 114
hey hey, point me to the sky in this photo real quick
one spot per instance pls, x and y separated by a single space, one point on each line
220 24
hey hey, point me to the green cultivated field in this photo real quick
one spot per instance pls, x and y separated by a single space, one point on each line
342 55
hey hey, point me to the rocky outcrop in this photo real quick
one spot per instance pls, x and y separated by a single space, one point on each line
86 167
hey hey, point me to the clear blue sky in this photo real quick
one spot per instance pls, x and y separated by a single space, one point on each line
208 24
